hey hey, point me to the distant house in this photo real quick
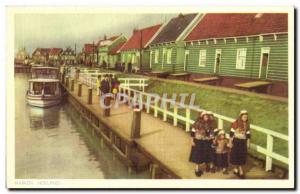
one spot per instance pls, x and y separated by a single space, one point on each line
89 54
68 56
167 49
105 46
249 46
41 55
22 57
55 56
114 55
135 50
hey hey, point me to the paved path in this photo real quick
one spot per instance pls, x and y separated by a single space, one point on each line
168 145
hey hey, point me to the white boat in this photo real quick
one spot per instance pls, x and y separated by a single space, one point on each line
44 87
44 92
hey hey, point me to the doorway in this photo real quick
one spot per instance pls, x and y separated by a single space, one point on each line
264 62
186 59
217 61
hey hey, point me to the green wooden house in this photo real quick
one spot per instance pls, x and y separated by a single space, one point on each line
168 47
107 50
135 51
251 46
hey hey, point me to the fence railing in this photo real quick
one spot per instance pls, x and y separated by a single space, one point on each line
141 83
162 105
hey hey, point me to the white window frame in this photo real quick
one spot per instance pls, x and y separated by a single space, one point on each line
202 58
156 55
241 57
169 56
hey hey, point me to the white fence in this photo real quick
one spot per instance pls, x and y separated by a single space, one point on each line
186 118
141 83
157 107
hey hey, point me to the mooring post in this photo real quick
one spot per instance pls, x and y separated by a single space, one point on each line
90 95
67 82
79 89
72 85
107 106
136 123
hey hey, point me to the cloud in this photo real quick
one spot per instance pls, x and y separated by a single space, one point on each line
62 30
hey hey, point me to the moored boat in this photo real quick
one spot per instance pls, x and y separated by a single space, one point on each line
44 92
44 87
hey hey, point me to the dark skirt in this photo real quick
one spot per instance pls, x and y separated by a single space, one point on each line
238 153
201 152
221 160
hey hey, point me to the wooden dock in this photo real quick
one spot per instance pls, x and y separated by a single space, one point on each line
166 146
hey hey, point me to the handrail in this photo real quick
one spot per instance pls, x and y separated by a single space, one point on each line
268 151
125 88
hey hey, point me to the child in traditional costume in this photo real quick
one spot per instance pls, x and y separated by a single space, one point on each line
239 141
221 145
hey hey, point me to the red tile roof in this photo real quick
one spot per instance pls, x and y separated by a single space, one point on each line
114 50
55 51
142 35
89 48
43 51
214 25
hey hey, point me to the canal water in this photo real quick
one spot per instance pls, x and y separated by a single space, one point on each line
54 143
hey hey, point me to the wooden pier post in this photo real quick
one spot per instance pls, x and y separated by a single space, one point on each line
79 89
136 123
107 103
67 82
90 95
72 85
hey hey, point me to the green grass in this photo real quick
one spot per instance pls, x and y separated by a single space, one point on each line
267 113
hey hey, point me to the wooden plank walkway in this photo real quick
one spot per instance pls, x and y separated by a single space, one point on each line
167 145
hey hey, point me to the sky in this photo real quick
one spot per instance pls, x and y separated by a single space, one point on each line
62 30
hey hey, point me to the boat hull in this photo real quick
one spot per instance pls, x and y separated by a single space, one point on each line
42 101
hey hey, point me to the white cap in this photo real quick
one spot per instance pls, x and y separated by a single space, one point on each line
221 132
209 113
243 112
203 113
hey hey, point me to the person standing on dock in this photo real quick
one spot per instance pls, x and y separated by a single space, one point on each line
239 141
105 85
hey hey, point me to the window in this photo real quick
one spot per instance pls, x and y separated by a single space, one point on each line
241 58
156 56
202 58
169 56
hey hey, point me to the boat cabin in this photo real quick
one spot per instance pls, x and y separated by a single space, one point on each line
44 87
44 72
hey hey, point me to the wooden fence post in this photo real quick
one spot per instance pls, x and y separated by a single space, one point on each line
220 123
175 115
155 107
187 117
270 140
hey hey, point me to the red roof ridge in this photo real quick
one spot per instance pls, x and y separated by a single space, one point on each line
225 25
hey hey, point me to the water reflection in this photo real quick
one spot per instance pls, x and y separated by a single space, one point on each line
56 143
40 119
